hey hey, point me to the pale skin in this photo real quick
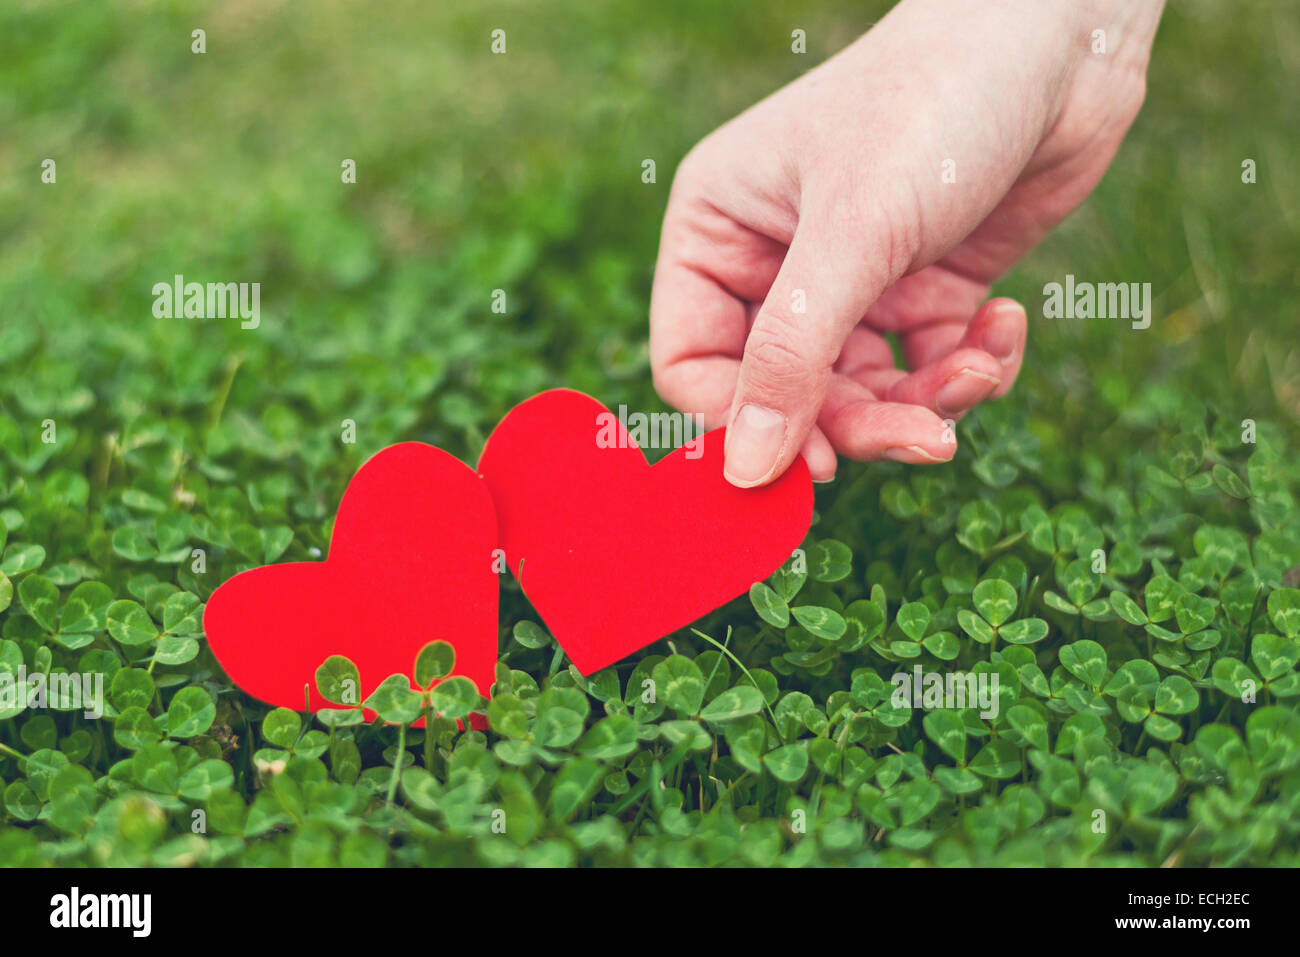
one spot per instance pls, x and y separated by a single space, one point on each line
885 191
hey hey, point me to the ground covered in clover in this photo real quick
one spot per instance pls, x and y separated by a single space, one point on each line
1161 691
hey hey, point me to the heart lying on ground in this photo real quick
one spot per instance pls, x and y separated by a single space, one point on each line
410 562
615 553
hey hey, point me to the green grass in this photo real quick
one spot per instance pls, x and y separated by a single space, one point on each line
523 172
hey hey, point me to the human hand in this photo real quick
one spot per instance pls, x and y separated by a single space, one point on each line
883 192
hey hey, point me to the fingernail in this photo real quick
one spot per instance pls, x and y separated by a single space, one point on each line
911 455
963 390
1001 342
753 444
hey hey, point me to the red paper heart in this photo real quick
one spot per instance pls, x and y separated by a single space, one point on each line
616 554
410 562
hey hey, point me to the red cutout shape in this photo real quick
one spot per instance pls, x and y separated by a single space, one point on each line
410 562
615 553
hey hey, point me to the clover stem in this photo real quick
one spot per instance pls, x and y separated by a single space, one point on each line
556 660
1254 606
397 762
730 787
839 743
640 813
21 758
652 780
739 664
814 802
428 736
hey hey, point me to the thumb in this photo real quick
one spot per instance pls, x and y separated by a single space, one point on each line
817 298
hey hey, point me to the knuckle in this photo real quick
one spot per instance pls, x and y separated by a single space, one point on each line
774 355
1137 97
693 171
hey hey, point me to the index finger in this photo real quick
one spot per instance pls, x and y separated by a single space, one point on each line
710 269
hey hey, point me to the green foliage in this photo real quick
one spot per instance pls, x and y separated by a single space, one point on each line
1107 541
